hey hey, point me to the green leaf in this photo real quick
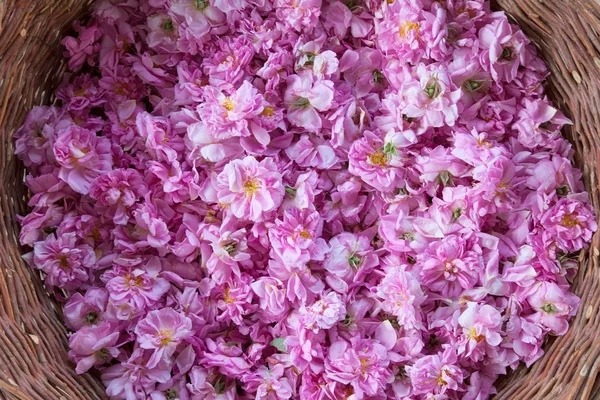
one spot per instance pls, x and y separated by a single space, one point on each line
407 236
445 178
456 213
301 102
507 54
563 190
390 150
354 260
549 308
230 248
168 25
378 76
433 89
310 58
290 191
219 384
473 85
348 320
279 344
201 4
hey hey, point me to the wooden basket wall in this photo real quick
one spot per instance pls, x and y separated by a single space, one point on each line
33 345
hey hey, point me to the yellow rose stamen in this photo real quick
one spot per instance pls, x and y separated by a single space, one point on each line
227 298
569 220
268 111
473 334
378 158
305 235
166 337
251 186
228 104
408 26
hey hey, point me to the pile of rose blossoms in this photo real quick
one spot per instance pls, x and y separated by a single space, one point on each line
307 199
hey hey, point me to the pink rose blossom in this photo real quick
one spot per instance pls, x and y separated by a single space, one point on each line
402 297
81 96
82 157
151 228
341 18
555 175
82 49
311 151
481 327
83 310
118 190
431 96
228 66
200 16
35 224
250 188
117 40
305 97
66 262
362 364
570 223
553 306
93 346
325 313
163 32
229 116
301 285
190 84
136 287
269 384
449 266
147 67
504 49
436 374
412 33
440 166
227 357
34 141
296 238
376 163
229 252
539 124
349 259
210 386
237 301
273 302
161 331
161 141
296 15
132 378
206 145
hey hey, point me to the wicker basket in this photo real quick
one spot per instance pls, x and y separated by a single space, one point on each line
33 345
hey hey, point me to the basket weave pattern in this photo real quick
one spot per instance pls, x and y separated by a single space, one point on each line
33 345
